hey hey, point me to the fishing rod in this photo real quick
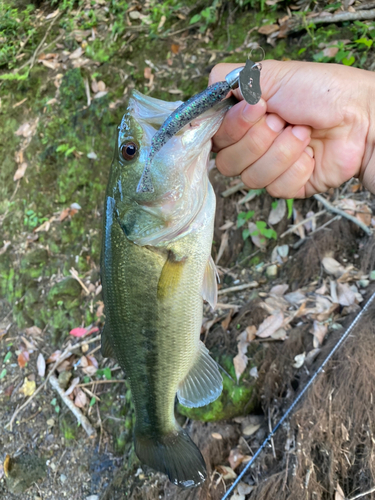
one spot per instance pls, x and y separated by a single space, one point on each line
289 411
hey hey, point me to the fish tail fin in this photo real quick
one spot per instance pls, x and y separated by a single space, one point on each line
176 455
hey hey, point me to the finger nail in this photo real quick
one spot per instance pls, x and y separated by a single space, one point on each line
275 123
252 113
302 133
309 150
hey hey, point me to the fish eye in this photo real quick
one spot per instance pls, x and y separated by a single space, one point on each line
129 150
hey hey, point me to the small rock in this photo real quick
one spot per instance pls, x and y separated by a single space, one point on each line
271 271
63 478
50 422
92 497
92 155
372 275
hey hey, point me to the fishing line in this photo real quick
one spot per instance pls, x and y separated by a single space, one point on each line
300 396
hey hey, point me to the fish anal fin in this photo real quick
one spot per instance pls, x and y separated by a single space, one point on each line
170 276
106 347
209 289
203 384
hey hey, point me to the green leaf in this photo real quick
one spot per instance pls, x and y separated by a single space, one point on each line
92 401
348 61
86 380
364 41
261 224
3 373
54 402
7 357
289 204
69 151
107 373
301 51
274 204
245 234
14 76
195 19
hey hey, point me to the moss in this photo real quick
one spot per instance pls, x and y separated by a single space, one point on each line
66 288
72 88
235 400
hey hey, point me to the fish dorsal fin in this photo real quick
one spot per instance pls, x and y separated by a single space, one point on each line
203 384
106 348
170 276
209 289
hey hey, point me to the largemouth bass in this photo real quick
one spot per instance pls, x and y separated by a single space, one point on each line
156 269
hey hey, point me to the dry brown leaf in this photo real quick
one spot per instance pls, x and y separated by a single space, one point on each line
76 53
345 295
251 332
101 86
72 386
268 29
41 365
240 362
223 246
53 14
23 358
235 458
226 321
250 429
259 241
81 399
297 218
364 215
270 325
319 331
216 435
94 86
175 48
54 356
54 64
333 267
100 94
20 172
330 51
33 330
226 472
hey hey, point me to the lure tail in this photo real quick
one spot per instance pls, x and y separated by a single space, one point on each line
176 455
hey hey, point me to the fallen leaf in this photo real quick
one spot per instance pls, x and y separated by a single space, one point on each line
279 289
72 386
78 332
101 86
297 218
20 172
251 332
147 72
175 48
226 321
268 29
277 213
53 14
330 51
259 241
81 399
23 359
216 435
254 372
226 472
41 365
28 387
235 458
250 429
299 360
333 267
7 465
339 494
5 247
223 246
270 325
100 94
244 489
345 295
319 331
76 53
364 215
54 357
240 362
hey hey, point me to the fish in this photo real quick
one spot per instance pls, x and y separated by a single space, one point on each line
156 271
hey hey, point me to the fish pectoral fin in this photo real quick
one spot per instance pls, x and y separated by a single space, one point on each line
170 276
106 347
203 384
209 289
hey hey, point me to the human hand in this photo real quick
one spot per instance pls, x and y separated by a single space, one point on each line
313 129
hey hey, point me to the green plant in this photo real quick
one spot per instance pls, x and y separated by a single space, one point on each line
261 230
243 217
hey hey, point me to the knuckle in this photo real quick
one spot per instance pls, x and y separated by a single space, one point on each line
248 179
283 154
223 165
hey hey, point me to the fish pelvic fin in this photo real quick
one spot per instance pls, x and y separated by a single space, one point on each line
175 454
203 384
106 347
170 276
209 289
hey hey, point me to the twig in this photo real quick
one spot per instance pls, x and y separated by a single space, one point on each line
62 357
294 227
233 189
102 382
362 494
245 259
32 60
74 273
87 89
72 407
252 284
335 210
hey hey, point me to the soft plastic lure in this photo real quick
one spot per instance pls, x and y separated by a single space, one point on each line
247 78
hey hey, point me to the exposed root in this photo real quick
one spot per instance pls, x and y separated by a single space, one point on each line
331 437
